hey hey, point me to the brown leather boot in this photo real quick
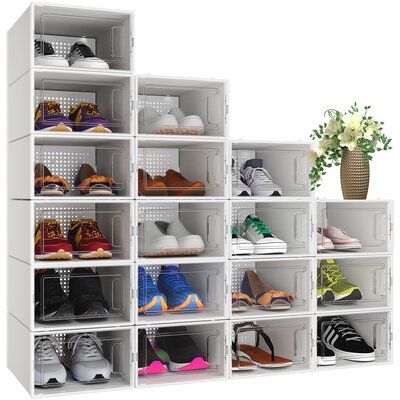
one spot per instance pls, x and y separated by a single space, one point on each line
177 185
150 187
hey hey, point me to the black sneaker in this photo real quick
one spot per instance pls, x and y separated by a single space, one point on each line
325 356
82 56
51 303
86 294
175 346
148 361
338 335
46 56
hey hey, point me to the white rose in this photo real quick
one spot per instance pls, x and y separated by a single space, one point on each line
352 121
322 146
312 156
333 127
368 133
348 138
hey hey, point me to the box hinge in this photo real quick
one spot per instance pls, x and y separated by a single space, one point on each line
312 342
390 336
226 110
132 41
226 347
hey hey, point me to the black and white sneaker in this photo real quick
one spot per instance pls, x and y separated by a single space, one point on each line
325 356
82 56
339 336
46 56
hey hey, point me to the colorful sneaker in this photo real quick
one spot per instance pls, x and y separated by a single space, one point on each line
239 244
240 302
88 240
149 363
150 299
82 56
91 184
46 56
180 295
48 117
50 244
325 356
87 118
239 188
323 242
261 236
332 278
324 293
46 184
340 239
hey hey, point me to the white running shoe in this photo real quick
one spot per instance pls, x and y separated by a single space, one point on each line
189 244
153 242
82 56
87 362
150 121
188 124
258 179
261 236
46 56
238 187
240 245
48 368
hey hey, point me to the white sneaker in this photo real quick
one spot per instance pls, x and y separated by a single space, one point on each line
238 187
150 121
188 124
87 362
240 245
82 56
258 179
48 368
189 244
46 56
261 236
152 242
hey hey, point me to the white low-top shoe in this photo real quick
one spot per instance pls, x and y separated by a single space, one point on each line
152 242
238 187
240 245
188 124
189 244
258 179
82 56
262 238
150 121
46 56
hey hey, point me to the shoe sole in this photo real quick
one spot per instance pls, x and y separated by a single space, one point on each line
351 356
353 296
347 246
179 131
242 249
192 303
328 296
96 254
326 361
156 367
59 255
196 364
325 248
57 128
157 305
172 252
98 129
54 193
269 250
273 365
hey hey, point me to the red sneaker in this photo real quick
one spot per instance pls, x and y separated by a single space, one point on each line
88 240
50 244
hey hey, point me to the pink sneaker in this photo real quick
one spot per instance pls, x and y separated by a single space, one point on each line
324 243
341 240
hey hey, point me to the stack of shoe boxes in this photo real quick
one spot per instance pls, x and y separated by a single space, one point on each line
130 246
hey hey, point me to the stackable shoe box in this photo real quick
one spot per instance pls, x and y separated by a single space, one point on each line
214 274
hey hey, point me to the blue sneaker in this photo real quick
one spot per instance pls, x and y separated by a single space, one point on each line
151 300
180 295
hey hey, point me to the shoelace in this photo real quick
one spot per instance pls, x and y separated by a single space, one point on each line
258 173
333 274
52 229
259 226
236 175
84 50
177 281
45 348
92 229
44 48
145 282
89 343
345 329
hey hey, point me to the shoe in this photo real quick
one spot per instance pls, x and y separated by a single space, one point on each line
88 240
48 117
180 295
46 184
50 244
177 185
87 362
86 294
173 345
82 56
151 122
240 245
239 188
189 244
338 335
188 124
48 368
46 56
340 239
240 302
331 277
51 303
264 295
258 179
152 242
323 242
147 186
261 236
148 363
91 184
87 118
324 293
325 356
150 299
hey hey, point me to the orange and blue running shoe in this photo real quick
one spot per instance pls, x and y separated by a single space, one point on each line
151 300
180 295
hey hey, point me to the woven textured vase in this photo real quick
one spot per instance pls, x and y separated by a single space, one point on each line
354 175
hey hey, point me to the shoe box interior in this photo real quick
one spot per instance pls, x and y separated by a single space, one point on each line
286 163
207 281
369 221
108 34
373 276
288 221
204 98
206 219
209 338
291 339
290 275
111 94
195 160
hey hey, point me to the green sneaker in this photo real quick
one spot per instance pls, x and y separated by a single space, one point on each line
331 277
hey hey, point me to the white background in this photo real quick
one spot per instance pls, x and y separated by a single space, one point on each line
287 62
